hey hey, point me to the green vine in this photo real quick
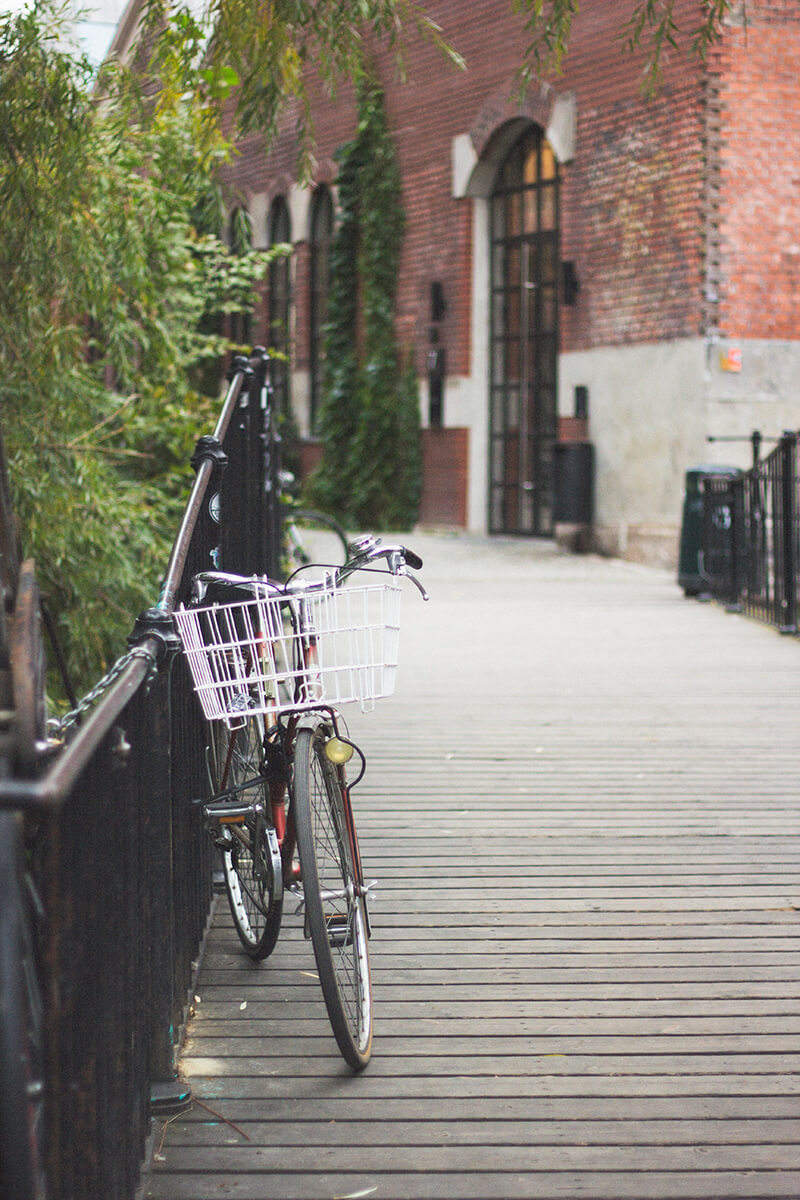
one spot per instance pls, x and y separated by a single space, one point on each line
370 474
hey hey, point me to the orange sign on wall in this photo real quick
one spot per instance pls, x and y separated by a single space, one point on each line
731 359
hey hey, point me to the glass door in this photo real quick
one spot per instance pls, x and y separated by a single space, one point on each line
524 338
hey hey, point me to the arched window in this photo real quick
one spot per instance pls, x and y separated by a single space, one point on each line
321 234
279 304
240 241
524 337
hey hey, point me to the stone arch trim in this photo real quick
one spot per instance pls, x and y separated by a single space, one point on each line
478 153
498 110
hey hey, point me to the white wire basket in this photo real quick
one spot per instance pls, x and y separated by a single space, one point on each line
275 654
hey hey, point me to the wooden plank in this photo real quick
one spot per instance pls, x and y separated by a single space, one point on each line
330 1083
302 1059
347 1113
478 1185
503 1032
512 1159
485 1132
474 1011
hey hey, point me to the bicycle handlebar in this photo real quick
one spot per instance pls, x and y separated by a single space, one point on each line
399 560
367 550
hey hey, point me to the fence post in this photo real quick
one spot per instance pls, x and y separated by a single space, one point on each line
788 446
736 496
167 1093
268 451
235 503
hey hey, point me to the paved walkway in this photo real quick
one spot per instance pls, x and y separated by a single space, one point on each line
582 809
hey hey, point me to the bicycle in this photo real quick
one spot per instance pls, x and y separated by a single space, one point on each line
271 663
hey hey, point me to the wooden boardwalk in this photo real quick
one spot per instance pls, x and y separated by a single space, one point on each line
581 808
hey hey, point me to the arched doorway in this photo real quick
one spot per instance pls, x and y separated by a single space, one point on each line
524 236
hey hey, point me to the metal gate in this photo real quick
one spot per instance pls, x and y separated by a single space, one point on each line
524 338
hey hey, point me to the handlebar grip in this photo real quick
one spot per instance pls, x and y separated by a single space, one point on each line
412 560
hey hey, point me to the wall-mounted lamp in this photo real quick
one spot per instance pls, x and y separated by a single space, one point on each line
438 305
570 284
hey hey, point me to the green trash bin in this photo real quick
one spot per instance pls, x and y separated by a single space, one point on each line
690 577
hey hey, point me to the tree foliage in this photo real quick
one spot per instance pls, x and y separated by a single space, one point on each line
274 49
653 28
369 424
106 284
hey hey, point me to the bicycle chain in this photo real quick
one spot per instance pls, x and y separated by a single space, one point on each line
60 725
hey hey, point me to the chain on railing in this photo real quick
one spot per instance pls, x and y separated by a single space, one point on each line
59 726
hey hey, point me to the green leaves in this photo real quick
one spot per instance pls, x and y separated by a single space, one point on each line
277 49
111 292
652 29
370 474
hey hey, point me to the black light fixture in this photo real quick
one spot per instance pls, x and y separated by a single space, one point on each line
438 305
570 284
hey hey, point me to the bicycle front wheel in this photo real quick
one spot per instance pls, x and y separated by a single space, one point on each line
250 854
315 537
334 906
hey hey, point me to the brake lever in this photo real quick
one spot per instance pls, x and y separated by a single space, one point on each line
410 575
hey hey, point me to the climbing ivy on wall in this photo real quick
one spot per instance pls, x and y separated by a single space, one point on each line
370 473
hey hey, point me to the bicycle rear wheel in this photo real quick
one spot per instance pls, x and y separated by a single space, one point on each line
334 906
250 855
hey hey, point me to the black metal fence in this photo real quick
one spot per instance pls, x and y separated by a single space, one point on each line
116 852
750 557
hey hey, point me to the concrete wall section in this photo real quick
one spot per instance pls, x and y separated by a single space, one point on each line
647 423
652 409
750 384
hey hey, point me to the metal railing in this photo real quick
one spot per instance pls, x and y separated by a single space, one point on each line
751 555
116 854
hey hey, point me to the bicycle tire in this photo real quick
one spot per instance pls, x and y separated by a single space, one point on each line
334 536
21 1029
250 855
335 913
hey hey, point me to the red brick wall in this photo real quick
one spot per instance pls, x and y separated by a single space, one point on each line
444 471
633 211
633 214
632 198
444 474
757 73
